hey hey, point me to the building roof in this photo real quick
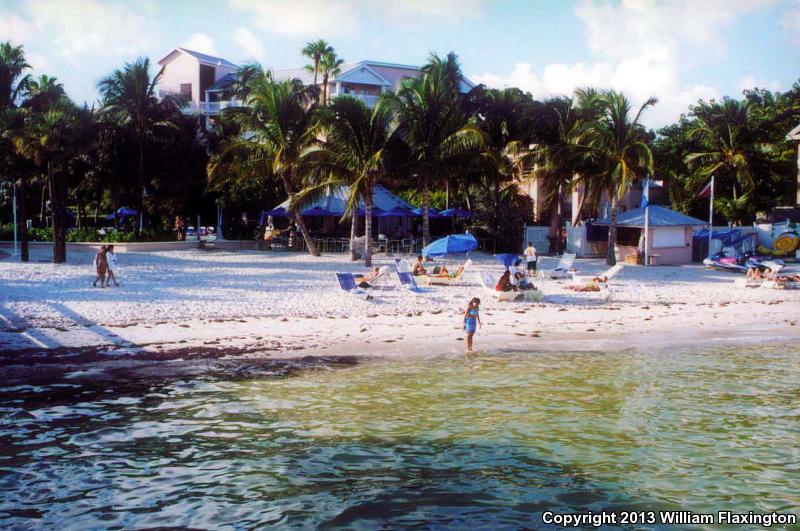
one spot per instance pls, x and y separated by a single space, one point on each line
334 201
203 58
794 134
659 217
224 82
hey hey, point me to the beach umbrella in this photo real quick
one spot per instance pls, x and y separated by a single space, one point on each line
125 212
452 244
398 212
507 259
456 212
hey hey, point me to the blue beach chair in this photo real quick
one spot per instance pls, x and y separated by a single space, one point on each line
348 284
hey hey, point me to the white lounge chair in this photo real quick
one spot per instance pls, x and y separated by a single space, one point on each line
348 284
402 265
488 283
448 280
607 275
564 267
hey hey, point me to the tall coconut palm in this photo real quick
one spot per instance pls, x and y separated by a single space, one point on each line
331 66
614 143
724 131
279 133
316 50
356 153
13 167
129 98
434 126
13 79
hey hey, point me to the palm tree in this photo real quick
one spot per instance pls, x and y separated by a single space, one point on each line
331 66
279 134
724 131
12 68
506 119
615 144
129 98
316 50
356 152
434 126
13 167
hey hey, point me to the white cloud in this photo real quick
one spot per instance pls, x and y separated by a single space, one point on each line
750 82
790 21
643 48
344 17
300 17
200 42
81 27
14 28
249 42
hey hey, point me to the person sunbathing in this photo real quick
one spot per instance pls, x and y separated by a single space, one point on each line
419 269
364 281
591 286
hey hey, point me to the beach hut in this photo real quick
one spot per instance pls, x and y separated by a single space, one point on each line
669 238
329 206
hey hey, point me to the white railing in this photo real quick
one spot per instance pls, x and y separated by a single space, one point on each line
209 107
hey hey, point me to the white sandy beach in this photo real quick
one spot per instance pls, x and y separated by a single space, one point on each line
289 305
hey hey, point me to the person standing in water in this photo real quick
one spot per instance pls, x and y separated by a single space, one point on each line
472 319
111 260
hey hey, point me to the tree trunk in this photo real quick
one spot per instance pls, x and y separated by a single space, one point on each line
96 213
368 226
426 220
42 212
353 232
298 219
611 257
579 215
59 229
22 224
140 217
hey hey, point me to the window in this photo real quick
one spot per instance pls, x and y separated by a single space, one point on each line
669 237
186 90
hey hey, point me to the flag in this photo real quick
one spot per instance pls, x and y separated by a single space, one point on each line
645 193
706 191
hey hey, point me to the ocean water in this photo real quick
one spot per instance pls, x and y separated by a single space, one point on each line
490 441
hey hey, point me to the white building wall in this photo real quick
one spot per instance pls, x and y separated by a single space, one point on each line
183 68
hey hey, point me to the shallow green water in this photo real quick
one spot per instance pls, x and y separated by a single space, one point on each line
493 442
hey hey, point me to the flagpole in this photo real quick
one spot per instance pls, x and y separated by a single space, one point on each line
710 216
646 232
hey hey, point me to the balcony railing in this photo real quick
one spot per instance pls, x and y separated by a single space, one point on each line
209 107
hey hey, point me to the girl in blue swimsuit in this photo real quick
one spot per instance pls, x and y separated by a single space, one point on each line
472 319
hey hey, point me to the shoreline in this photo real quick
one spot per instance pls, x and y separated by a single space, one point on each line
195 305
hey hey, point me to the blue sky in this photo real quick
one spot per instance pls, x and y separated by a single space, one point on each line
677 50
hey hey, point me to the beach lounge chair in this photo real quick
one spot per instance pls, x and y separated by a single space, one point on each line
348 284
608 275
407 281
564 267
448 280
488 282
402 265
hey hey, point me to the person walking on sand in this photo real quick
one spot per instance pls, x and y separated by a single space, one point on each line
472 319
111 261
100 266
531 259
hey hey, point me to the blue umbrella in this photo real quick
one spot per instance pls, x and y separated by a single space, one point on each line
432 213
507 259
125 212
456 212
453 244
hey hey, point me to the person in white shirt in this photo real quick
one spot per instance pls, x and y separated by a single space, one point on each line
531 259
112 265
